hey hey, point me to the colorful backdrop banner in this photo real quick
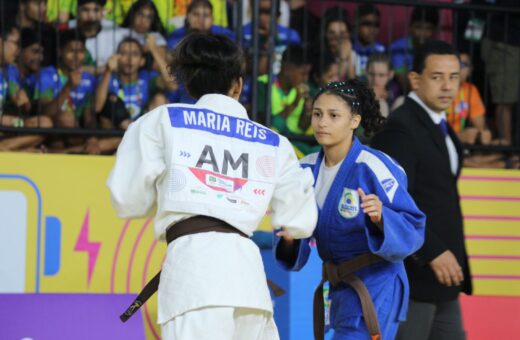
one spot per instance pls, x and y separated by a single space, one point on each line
60 234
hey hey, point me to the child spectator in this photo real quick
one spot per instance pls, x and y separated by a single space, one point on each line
65 93
173 13
32 14
324 70
289 96
198 18
337 41
12 98
14 102
289 92
126 91
367 30
466 115
380 78
124 79
29 64
423 25
284 36
143 20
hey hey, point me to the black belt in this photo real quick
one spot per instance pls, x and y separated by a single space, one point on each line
192 225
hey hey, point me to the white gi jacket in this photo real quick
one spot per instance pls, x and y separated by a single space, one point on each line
210 159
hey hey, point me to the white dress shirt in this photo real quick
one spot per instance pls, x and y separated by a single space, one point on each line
437 117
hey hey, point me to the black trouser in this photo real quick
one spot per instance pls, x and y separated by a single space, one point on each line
432 321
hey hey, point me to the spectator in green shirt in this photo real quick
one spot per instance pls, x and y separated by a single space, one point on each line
288 93
290 98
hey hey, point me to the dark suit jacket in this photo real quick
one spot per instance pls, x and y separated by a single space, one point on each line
413 139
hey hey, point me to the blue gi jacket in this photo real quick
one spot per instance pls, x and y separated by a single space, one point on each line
344 232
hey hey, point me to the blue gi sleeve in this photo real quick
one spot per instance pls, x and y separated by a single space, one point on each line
403 222
403 234
291 258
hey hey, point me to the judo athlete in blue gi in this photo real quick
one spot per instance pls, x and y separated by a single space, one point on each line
367 223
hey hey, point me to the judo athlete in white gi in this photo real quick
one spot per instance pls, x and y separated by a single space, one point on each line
209 159
367 223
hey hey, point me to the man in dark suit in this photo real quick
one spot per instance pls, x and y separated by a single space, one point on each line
419 138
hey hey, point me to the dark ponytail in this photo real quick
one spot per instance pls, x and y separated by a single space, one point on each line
207 63
362 101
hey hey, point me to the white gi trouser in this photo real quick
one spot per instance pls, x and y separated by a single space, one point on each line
221 323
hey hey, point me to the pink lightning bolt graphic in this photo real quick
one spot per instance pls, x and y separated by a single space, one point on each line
83 244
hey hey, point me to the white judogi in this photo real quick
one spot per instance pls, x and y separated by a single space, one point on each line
210 159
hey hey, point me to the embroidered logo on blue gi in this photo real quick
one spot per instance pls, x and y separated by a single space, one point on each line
348 205
388 184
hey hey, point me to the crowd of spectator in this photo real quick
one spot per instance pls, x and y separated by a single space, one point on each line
103 64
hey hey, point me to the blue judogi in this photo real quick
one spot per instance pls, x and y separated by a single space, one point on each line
9 85
51 81
344 232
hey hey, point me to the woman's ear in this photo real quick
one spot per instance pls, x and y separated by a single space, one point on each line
355 121
236 88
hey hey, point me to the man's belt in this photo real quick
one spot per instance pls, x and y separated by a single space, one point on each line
343 273
192 225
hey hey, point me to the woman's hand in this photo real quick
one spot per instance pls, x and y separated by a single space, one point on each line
284 234
345 50
373 207
150 43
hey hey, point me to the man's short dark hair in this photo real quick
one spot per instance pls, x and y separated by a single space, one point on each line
425 14
294 55
432 47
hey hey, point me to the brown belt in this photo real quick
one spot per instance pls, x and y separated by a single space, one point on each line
192 225
343 273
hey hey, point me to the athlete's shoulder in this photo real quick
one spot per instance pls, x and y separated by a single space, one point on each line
385 170
376 159
310 159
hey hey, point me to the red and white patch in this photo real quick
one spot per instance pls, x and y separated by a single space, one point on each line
217 181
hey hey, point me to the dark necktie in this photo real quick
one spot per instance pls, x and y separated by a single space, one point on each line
443 125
